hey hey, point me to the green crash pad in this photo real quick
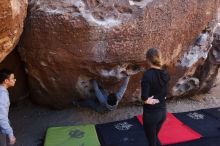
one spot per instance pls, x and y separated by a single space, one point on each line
82 135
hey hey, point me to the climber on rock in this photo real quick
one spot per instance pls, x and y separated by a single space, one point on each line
105 101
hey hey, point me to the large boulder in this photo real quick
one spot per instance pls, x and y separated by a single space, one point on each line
12 15
68 43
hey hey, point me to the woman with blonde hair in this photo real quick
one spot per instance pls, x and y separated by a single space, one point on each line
153 93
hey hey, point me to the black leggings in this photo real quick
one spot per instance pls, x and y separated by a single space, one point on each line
93 104
152 125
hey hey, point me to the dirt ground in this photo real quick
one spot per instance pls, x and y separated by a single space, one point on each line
30 122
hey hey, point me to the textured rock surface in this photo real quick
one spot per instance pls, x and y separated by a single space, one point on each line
67 43
12 15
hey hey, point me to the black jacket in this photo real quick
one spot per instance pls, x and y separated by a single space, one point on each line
154 83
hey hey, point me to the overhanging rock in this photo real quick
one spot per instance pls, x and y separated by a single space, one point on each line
75 41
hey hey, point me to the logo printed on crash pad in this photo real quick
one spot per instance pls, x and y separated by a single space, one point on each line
76 133
123 126
196 116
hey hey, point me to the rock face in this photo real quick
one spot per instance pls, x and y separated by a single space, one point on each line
12 15
67 43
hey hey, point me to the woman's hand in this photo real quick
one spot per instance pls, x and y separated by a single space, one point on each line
151 101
